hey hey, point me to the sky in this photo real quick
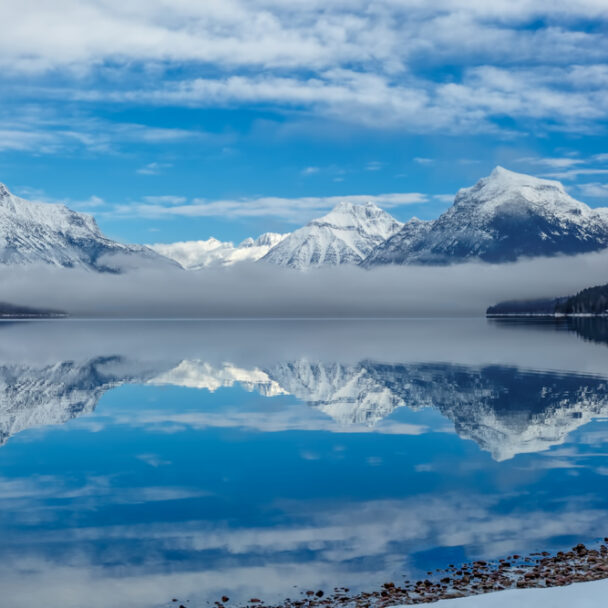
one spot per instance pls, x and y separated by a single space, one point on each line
181 120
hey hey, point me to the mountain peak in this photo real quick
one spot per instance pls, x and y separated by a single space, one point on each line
503 217
34 232
347 213
504 187
506 179
346 235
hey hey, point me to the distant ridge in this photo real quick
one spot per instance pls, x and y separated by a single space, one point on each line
503 218
196 255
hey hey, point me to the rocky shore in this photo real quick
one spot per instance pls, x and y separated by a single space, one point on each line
580 564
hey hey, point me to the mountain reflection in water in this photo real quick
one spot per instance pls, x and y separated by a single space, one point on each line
146 460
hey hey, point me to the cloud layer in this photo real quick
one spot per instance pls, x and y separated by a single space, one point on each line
260 290
381 64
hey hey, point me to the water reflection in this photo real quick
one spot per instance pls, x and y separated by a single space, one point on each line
145 461
505 410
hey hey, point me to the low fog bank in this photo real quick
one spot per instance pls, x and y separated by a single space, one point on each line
258 290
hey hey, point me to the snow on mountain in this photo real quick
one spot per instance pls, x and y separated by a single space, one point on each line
195 255
346 235
32 233
502 218
395 249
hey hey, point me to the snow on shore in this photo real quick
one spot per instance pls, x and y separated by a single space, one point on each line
580 595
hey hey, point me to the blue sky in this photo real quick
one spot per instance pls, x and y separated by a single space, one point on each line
186 119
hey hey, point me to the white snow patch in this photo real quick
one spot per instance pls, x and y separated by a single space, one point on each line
579 595
195 255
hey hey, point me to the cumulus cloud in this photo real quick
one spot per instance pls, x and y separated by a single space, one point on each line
343 61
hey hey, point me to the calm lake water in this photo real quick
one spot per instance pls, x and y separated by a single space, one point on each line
145 461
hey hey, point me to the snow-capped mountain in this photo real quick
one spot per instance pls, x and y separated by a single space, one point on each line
34 233
196 255
395 250
346 235
502 218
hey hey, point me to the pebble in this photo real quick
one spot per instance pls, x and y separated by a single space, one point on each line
514 571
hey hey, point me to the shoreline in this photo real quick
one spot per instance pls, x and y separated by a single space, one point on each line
547 315
536 570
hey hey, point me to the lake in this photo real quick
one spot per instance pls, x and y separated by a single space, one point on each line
142 461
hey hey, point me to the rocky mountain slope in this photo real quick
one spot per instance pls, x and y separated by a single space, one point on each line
346 235
502 218
35 233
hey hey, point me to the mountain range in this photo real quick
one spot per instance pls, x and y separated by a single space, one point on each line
346 235
502 218
505 410
197 255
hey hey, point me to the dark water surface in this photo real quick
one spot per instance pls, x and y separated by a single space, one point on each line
142 461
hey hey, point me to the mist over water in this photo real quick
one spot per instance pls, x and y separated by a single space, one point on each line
260 290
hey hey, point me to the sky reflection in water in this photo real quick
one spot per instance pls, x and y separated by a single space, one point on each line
145 461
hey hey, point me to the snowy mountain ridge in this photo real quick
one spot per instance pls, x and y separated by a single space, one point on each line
33 233
502 218
346 235
196 255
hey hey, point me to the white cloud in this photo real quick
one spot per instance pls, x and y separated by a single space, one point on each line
575 173
354 62
423 161
554 163
291 209
373 99
93 202
47 132
310 170
593 190
270 33
165 200
444 198
154 168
